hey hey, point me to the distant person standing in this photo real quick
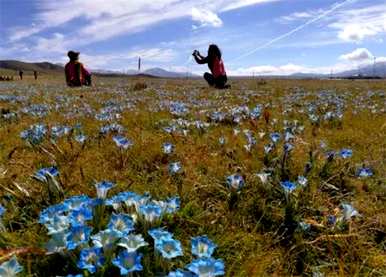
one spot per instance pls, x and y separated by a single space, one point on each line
218 78
35 74
21 74
76 74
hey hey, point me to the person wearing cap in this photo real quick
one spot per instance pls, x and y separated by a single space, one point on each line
76 74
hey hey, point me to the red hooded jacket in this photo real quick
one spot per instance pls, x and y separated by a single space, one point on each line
76 74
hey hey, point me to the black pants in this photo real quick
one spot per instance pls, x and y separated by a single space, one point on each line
218 82
87 80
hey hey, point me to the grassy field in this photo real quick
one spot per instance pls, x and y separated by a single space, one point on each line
263 227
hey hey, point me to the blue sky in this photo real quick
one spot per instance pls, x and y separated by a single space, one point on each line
256 36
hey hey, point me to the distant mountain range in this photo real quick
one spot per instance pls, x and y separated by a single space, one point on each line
41 66
47 67
379 69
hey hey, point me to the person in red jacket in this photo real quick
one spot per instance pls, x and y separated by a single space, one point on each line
76 74
218 78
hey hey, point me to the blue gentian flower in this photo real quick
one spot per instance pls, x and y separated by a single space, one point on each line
80 138
151 212
57 224
112 128
365 172
217 116
10 268
256 112
288 136
121 223
235 181
128 262
158 234
221 140
91 259
181 273
275 137
141 200
114 201
305 226
346 153
302 181
175 168
2 210
207 267
77 236
76 202
57 242
168 148
331 219
173 204
43 172
288 147
178 108
102 189
131 199
122 142
47 214
35 134
80 216
59 131
169 248
288 186
105 239
202 246
132 242
348 211
313 118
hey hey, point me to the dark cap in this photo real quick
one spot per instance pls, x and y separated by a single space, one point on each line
73 55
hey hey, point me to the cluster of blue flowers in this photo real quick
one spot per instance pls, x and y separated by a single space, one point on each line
35 134
77 224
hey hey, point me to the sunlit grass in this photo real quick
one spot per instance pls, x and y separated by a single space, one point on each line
250 232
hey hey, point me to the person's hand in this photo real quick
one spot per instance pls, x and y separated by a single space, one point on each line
195 53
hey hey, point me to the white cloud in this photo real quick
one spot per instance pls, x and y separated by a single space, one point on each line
361 23
352 25
117 61
106 19
357 32
381 59
288 69
236 4
19 33
358 55
301 15
206 17
56 43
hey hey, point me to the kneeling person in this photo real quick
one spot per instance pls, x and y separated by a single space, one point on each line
76 74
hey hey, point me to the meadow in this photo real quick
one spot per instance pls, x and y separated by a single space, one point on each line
283 177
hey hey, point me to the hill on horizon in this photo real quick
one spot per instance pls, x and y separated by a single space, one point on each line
25 66
47 67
